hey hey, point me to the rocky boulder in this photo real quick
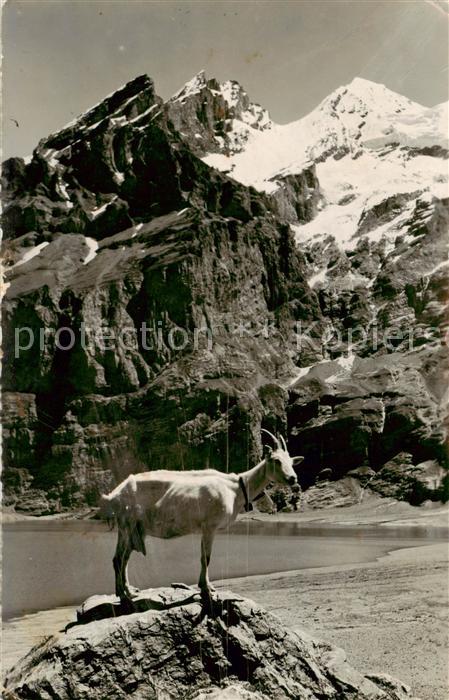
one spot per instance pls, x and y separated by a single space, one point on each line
356 414
400 478
181 647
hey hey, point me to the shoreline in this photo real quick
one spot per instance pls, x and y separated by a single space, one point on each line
250 548
381 512
389 615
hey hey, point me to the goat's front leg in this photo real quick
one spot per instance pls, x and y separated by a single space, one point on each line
206 549
120 561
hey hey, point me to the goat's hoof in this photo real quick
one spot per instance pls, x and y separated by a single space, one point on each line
207 592
128 594
208 602
184 586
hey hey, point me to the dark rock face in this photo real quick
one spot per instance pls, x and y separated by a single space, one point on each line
181 649
401 478
298 196
204 112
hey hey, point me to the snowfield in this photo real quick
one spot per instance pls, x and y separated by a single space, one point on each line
368 143
360 115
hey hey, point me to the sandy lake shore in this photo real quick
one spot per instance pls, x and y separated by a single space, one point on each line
373 512
390 615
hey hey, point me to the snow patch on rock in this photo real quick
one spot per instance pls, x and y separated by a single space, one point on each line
31 253
92 245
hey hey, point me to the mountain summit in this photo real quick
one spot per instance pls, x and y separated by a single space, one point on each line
216 117
362 117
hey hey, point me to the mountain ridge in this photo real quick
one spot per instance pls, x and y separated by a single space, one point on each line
340 124
119 220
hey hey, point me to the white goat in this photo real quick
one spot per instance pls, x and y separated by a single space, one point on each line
170 504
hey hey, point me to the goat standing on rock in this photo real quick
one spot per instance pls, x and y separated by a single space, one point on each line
170 504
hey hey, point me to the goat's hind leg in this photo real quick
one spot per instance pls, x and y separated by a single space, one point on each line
120 561
206 550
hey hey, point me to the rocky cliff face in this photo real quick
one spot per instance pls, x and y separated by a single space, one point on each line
235 650
158 312
175 290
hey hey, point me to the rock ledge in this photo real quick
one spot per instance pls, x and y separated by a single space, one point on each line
181 648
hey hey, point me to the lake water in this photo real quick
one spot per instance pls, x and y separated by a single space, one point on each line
50 564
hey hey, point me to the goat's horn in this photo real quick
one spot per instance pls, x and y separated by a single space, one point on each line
284 444
271 436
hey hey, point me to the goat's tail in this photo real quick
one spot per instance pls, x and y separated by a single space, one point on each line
106 511
109 509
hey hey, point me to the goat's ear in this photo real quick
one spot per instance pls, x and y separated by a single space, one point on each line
297 460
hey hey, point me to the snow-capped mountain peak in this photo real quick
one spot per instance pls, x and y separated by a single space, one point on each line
192 87
377 95
365 106
384 138
375 116
234 96
216 117
377 157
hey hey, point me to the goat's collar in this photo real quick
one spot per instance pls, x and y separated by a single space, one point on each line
248 504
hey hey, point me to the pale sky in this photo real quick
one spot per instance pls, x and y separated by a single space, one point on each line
62 56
